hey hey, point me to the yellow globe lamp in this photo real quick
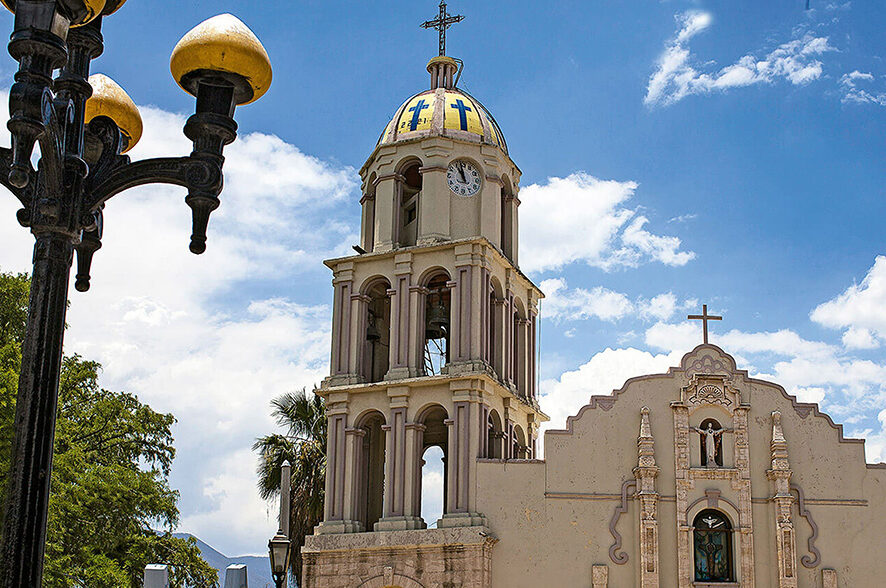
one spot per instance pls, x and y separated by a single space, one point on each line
81 11
110 100
223 47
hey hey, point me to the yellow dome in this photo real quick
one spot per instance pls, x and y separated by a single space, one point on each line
223 43
447 112
86 10
110 100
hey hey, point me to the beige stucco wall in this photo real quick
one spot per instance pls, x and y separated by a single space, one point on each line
552 518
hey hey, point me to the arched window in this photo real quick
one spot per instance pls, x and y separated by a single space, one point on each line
519 451
410 192
712 547
378 332
372 469
507 219
437 321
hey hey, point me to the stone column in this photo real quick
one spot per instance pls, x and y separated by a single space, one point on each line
356 484
359 319
829 578
341 324
508 339
397 468
387 208
400 319
782 501
462 450
499 347
414 464
523 355
533 353
416 354
338 475
367 222
645 474
456 317
600 576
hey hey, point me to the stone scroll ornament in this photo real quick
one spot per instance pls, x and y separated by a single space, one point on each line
815 559
614 555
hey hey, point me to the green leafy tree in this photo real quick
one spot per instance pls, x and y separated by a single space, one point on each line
109 489
304 446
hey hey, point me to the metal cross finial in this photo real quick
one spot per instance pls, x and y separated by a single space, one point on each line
441 23
704 317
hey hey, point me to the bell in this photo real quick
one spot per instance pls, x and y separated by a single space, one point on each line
437 323
372 333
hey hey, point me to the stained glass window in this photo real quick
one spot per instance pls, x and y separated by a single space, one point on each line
712 547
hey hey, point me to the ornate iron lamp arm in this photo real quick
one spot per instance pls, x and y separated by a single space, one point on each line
23 194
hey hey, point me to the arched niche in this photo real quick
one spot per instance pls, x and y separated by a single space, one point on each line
713 547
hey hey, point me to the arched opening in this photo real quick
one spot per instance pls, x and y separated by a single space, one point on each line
437 321
507 219
434 451
711 443
372 469
494 435
410 192
519 441
367 242
712 547
376 355
496 295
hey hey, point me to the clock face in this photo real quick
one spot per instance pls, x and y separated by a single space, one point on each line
463 178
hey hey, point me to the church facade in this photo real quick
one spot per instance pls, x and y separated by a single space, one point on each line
700 477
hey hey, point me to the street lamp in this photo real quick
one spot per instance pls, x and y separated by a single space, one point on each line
83 126
278 550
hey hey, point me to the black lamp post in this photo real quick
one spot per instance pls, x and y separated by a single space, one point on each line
82 137
278 550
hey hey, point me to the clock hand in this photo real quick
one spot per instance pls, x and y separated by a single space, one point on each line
461 170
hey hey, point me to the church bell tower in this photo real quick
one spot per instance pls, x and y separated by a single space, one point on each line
434 325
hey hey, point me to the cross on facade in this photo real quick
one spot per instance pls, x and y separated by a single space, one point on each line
441 23
463 110
704 317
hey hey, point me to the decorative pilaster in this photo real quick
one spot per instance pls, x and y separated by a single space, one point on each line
522 357
400 319
359 316
415 355
782 500
683 485
600 576
354 466
461 462
829 578
341 323
338 477
645 474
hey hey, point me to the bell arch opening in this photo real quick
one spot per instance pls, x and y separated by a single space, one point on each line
371 479
494 435
438 305
377 340
409 201
433 477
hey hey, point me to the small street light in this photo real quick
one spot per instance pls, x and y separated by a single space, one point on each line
84 125
278 550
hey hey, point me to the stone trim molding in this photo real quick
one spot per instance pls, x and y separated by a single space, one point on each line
815 559
619 558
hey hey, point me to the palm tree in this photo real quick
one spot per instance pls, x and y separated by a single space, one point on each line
304 446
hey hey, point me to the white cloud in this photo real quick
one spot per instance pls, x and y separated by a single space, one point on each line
583 218
859 309
212 338
676 75
853 94
564 304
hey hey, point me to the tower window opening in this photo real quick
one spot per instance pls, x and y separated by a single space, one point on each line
410 192
372 470
507 221
494 436
378 333
432 485
437 323
712 547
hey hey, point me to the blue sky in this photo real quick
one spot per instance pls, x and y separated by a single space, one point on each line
673 153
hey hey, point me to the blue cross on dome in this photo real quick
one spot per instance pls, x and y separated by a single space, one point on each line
463 111
416 113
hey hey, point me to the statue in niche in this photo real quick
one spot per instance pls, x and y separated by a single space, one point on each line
711 435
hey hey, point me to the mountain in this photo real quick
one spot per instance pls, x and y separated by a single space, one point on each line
258 569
